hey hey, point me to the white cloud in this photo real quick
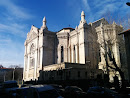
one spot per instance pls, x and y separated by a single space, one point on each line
12 52
13 32
12 19
4 42
15 10
86 5
112 7
12 47
14 28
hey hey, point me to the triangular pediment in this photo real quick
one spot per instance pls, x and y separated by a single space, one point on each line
98 22
33 33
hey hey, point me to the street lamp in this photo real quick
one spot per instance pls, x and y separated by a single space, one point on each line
128 3
4 76
13 73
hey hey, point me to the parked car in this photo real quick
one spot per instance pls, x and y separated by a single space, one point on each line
102 92
125 92
22 92
8 87
37 91
74 92
9 84
59 88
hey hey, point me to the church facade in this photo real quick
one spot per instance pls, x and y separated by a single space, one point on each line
46 50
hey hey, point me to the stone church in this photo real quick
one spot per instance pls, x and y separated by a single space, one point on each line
80 49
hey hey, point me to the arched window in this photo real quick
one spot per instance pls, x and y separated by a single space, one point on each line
32 59
62 54
32 49
32 62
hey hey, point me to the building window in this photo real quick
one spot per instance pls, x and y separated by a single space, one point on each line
32 55
86 74
99 56
74 54
69 74
32 62
62 54
92 75
57 72
78 74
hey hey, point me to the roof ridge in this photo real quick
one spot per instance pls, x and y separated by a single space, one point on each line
98 20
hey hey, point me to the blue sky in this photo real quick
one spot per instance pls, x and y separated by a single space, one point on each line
17 16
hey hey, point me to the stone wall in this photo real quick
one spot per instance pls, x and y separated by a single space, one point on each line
68 71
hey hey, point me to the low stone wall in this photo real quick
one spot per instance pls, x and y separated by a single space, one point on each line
54 67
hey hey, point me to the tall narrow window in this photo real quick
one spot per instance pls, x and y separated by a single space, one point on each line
74 55
32 57
78 74
99 56
69 73
86 74
62 54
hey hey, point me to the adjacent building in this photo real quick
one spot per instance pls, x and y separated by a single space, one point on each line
127 45
4 76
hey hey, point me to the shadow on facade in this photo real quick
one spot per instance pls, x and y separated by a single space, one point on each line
98 80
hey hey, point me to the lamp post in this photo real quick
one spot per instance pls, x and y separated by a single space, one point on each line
4 76
88 62
13 73
128 3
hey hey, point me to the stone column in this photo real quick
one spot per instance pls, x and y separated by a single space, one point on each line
102 64
82 46
81 30
28 66
70 55
35 65
42 67
117 54
24 71
25 64
77 47
116 46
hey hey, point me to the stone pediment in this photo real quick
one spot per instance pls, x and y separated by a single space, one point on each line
98 22
62 35
33 33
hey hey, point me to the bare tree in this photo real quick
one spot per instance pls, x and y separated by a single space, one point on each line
124 22
110 57
119 19
16 73
15 66
106 44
